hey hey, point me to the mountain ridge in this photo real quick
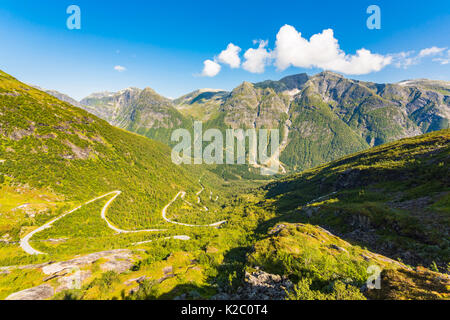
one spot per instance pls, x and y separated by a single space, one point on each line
316 113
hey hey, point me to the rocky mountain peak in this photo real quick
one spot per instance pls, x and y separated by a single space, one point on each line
329 74
295 81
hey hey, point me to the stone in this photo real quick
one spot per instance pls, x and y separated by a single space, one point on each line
41 292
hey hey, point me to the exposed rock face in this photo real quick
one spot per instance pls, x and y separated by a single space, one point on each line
73 281
260 285
110 106
118 260
41 292
70 274
142 111
118 266
321 117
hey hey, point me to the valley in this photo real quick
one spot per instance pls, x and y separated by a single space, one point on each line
92 207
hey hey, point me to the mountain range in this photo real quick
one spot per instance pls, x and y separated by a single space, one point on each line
320 117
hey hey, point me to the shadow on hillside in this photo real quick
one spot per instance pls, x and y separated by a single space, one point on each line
230 275
407 232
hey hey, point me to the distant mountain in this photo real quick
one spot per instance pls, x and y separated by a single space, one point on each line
438 85
202 104
60 96
326 116
320 117
141 111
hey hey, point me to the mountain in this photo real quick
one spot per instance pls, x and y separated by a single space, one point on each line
55 156
141 111
326 116
320 117
438 85
91 194
60 96
202 104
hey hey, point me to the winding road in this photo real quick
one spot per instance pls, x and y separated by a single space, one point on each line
182 194
25 245
24 241
111 226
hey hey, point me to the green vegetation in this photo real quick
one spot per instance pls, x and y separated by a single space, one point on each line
319 228
392 198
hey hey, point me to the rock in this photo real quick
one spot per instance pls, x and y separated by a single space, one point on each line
41 292
73 281
55 275
168 269
79 262
259 285
221 296
118 266
336 247
139 280
277 228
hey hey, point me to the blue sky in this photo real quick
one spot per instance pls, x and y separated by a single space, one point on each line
163 44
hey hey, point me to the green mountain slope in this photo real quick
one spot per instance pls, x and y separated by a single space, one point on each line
327 116
322 233
394 198
54 156
203 104
320 117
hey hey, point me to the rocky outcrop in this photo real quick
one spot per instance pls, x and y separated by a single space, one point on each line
260 285
136 110
117 260
71 274
41 292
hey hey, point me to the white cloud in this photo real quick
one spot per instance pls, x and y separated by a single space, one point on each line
120 68
442 60
404 59
230 56
430 51
257 59
407 59
322 51
210 68
445 60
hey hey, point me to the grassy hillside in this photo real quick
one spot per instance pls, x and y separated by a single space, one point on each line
373 204
394 198
54 156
